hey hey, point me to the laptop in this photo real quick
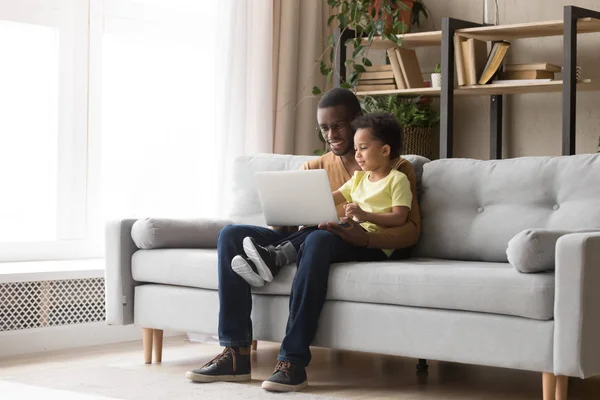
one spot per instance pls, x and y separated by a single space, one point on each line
293 198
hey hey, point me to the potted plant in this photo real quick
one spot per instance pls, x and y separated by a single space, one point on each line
368 19
436 77
417 116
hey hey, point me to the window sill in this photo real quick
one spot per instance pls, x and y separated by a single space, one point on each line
28 271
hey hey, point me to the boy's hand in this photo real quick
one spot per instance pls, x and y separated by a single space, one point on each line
355 212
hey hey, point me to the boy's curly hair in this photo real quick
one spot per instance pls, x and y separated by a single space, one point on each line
384 127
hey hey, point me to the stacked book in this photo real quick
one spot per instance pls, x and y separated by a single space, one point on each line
377 77
528 73
403 72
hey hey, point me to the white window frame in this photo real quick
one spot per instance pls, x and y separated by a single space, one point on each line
71 17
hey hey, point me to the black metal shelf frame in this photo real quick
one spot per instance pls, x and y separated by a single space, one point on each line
449 26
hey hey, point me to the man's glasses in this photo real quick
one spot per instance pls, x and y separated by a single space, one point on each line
335 126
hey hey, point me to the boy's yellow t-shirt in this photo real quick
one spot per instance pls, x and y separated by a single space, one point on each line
378 197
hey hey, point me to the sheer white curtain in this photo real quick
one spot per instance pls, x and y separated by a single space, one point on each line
184 87
245 117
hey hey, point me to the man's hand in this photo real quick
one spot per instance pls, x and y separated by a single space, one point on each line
353 210
352 233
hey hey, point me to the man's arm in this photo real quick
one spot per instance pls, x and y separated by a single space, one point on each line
338 198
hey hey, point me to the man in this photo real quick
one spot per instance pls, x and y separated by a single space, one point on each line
331 243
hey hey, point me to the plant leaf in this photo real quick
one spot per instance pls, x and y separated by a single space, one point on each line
357 51
330 19
359 68
316 90
346 85
323 68
367 62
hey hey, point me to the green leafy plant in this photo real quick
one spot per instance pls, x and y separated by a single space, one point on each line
598 149
437 69
417 112
368 19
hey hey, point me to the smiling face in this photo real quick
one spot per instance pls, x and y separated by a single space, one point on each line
370 153
335 127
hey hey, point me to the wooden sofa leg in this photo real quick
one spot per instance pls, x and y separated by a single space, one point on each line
562 387
147 334
254 345
157 335
554 387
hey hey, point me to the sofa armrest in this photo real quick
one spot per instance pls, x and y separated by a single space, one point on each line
162 233
119 282
577 305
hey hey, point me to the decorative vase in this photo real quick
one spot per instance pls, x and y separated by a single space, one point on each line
436 80
417 141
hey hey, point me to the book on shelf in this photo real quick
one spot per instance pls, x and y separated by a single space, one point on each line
543 66
397 72
519 81
531 74
362 81
458 57
474 59
378 68
494 61
411 70
377 75
374 88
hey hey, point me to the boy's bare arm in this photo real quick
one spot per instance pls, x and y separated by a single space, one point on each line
397 217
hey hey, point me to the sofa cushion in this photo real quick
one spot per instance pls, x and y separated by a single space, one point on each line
157 233
534 250
470 286
470 209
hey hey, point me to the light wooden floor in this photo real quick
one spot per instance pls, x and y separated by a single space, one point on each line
338 374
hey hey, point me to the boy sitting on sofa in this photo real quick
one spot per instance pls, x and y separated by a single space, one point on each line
378 196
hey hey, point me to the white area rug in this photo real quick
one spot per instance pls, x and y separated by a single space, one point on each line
93 382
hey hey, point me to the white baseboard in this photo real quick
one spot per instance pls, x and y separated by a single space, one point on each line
29 341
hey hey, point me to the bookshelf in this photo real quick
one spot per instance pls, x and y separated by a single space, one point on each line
490 89
575 21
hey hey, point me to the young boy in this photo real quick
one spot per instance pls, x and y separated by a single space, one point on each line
378 196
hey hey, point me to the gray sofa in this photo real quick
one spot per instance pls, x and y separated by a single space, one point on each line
457 300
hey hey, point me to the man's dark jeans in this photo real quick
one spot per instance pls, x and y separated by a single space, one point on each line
309 289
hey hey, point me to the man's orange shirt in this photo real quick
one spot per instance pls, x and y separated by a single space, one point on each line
388 238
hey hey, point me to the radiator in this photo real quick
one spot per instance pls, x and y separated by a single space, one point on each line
40 304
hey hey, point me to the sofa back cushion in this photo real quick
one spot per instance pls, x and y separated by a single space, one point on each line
244 204
470 209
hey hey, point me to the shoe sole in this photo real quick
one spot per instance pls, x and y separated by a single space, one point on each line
279 387
241 267
216 378
252 254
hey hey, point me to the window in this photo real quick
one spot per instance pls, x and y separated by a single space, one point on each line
107 111
43 129
158 109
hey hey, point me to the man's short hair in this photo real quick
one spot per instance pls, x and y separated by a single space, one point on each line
384 127
341 97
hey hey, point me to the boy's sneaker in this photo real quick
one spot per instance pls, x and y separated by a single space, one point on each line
288 377
269 259
245 268
232 365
